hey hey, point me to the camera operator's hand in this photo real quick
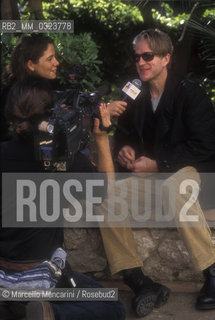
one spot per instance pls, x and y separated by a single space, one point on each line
105 162
65 106
105 118
116 108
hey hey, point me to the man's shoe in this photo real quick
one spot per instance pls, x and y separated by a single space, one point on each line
148 294
39 310
206 298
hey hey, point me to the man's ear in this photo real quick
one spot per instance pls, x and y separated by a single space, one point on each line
30 65
167 59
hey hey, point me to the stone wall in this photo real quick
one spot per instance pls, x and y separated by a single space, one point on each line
164 254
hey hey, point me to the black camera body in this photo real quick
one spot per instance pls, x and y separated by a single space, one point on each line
67 129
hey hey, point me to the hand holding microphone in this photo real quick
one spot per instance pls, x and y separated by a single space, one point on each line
116 108
130 92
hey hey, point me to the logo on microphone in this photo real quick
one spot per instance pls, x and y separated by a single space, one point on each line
131 90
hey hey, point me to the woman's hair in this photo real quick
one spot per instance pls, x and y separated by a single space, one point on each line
30 47
29 102
159 42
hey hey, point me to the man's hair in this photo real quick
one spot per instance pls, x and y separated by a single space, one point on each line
159 42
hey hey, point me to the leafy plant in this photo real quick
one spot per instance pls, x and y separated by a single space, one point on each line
113 14
8 42
78 49
169 18
112 25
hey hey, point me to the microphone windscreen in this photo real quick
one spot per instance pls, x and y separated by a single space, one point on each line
137 83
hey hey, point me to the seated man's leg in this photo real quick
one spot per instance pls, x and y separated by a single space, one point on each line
193 229
121 251
118 238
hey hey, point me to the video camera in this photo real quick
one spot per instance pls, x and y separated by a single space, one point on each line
67 129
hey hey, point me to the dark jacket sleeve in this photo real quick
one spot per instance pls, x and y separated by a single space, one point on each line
191 140
124 134
127 129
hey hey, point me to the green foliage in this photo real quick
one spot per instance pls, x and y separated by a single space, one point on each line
112 25
209 13
207 84
78 49
202 30
115 94
113 14
169 18
26 13
8 42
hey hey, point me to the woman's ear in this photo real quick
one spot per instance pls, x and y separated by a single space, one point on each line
30 65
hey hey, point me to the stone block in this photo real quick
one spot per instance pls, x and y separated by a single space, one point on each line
164 255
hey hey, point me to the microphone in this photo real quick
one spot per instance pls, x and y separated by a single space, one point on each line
131 90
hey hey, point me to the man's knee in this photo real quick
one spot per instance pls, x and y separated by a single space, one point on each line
182 177
179 189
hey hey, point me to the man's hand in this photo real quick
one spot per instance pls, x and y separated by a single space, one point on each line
126 156
143 164
116 108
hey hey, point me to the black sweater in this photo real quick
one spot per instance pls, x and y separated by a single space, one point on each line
30 244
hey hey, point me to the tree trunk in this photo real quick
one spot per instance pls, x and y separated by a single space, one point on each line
146 11
9 10
36 9
185 43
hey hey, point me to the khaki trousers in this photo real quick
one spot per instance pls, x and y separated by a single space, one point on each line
119 242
